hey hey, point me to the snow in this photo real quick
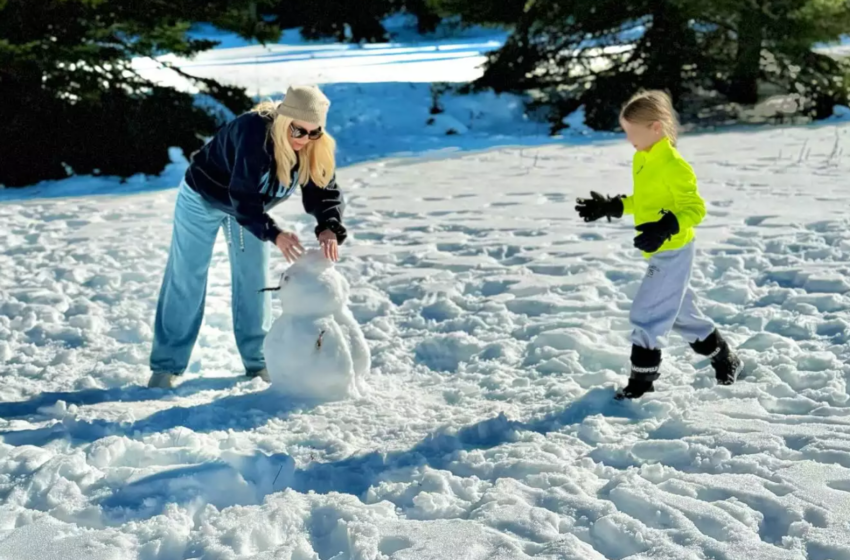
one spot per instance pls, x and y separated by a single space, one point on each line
498 328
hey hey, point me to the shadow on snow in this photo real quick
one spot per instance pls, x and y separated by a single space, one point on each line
238 479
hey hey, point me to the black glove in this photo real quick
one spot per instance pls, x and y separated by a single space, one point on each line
598 206
337 228
654 234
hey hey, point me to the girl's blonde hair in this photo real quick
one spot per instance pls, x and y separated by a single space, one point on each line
317 158
647 107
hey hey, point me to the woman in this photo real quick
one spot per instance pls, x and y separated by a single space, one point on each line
251 165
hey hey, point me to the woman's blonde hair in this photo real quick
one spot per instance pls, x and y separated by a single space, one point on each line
317 158
647 107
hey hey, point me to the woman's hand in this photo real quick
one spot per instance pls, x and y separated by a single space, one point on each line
289 245
330 246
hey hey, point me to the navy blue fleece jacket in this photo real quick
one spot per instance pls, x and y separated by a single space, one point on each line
236 172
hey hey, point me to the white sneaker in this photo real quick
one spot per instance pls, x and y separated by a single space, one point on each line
262 374
162 381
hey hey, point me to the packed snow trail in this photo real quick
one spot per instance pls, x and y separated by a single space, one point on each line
498 324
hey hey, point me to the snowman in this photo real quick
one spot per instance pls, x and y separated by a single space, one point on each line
315 350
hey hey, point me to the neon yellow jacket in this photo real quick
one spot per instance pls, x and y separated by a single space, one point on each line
663 180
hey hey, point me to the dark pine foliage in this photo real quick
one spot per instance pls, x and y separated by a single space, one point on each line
714 58
71 100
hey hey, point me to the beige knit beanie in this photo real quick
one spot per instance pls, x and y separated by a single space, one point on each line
305 103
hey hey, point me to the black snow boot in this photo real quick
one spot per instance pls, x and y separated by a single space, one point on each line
646 365
725 362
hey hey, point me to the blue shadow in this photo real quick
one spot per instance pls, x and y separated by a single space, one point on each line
243 412
346 56
232 480
356 475
117 394
244 480
435 58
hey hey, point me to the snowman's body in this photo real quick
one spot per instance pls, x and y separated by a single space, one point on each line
315 349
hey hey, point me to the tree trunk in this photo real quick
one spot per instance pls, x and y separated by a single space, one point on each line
669 46
745 78
427 19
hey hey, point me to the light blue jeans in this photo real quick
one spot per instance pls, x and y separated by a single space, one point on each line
665 301
180 310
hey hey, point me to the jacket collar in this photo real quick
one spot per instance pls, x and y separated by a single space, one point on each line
662 149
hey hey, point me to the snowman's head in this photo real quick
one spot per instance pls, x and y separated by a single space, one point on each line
312 286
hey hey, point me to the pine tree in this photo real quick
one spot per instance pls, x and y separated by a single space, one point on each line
711 57
575 53
427 18
481 12
358 21
768 48
72 101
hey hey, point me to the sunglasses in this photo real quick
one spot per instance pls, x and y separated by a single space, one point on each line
298 132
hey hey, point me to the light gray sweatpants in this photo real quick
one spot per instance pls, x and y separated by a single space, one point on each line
665 301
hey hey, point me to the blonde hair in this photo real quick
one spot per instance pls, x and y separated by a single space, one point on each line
647 107
317 161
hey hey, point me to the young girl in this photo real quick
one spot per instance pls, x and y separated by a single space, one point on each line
667 208
252 164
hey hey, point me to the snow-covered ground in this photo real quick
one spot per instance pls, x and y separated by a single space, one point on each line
269 69
498 325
